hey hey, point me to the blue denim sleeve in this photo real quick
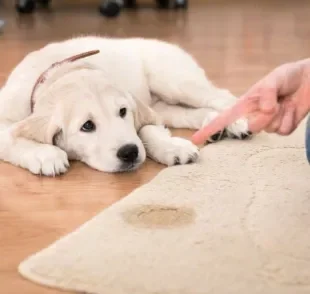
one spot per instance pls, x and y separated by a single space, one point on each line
308 139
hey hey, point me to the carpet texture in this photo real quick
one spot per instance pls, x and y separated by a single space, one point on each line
237 222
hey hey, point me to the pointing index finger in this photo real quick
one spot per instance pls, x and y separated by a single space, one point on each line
243 107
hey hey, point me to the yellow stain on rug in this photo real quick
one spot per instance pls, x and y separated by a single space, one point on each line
159 216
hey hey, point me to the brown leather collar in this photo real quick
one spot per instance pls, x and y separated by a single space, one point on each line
42 77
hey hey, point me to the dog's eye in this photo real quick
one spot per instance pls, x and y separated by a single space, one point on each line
123 112
89 126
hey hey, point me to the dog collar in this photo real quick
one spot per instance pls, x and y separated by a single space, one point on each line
41 79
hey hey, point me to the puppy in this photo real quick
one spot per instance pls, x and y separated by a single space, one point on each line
106 102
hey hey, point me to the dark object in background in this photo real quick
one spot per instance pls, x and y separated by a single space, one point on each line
172 3
108 8
28 6
2 23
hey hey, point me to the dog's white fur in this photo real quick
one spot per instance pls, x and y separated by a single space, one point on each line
159 84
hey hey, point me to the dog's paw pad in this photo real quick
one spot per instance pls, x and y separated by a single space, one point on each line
217 137
246 135
176 160
243 136
193 158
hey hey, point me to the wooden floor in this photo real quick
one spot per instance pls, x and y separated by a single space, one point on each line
235 41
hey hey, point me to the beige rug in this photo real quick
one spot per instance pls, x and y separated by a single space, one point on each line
236 223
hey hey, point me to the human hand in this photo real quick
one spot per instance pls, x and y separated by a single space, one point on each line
276 104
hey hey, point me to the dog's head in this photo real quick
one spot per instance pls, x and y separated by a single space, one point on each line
77 109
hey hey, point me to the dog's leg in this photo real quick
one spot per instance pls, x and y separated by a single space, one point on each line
163 148
175 78
195 95
38 158
176 116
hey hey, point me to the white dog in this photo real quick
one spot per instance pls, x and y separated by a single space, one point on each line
108 109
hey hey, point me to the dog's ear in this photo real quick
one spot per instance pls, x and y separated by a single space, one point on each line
144 115
41 128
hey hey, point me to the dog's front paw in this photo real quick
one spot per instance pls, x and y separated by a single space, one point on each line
45 160
239 130
178 151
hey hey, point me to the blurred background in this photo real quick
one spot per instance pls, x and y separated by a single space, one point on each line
236 41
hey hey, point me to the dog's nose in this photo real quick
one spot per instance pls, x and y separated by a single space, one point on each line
128 153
